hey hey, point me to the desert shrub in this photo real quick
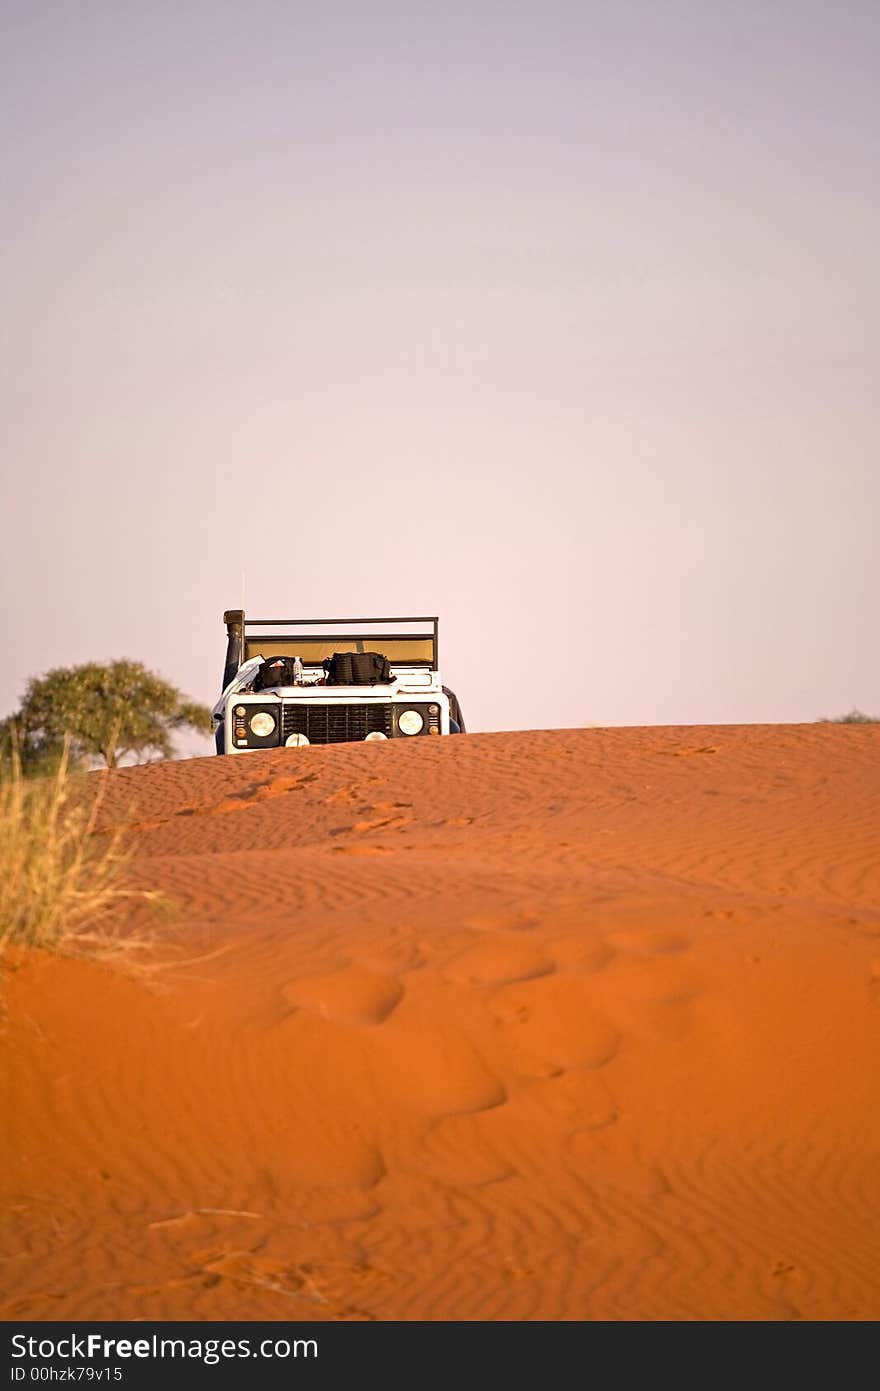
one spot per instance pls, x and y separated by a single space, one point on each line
854 717
63 883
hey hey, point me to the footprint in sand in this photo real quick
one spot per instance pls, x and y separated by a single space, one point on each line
576 1100
278 1277
383 823
499 960
435 1072
456 1152
362 850
501 922
247 797
579 954
352 794
391 958
651 996
234 803
280 787
352 996
383 816
689 752
649 941
556 1018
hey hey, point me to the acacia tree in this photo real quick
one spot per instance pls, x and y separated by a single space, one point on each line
107 712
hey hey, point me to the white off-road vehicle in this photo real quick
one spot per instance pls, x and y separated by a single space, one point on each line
295 681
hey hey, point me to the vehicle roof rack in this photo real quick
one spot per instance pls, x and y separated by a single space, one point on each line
393 636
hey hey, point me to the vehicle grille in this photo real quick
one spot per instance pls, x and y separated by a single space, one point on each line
334 724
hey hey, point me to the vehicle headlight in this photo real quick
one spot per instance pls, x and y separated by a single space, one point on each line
410 722
262 724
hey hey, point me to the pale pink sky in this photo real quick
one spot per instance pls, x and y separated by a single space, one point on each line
561 320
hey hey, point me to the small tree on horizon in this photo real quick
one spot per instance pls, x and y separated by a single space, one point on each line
108 712
853 717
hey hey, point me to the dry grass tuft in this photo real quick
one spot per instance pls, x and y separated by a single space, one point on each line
63 887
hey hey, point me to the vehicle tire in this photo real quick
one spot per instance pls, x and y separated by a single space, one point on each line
455 716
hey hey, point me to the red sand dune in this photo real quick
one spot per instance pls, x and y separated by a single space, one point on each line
567 1025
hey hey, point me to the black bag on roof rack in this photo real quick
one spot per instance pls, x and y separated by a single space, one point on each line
358 669
275 671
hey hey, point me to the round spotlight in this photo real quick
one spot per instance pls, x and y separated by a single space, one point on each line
296 741
373 735
262 724
410 722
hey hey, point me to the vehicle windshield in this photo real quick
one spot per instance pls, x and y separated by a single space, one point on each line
313 651
402 641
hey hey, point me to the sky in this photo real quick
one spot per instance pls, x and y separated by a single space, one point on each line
560 320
